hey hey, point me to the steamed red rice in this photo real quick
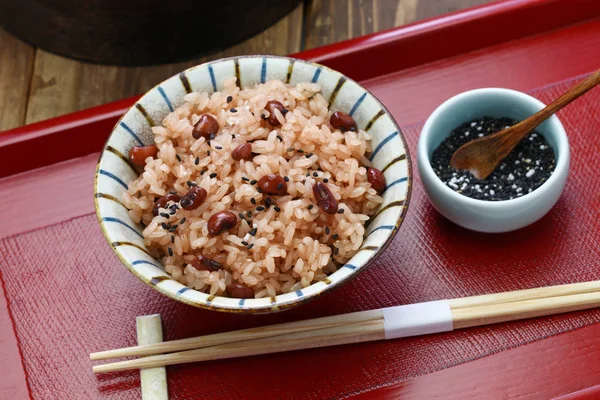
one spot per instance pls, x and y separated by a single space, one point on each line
290 249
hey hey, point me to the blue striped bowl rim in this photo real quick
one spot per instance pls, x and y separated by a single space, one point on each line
389 154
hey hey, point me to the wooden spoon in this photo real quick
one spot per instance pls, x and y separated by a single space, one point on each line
481 156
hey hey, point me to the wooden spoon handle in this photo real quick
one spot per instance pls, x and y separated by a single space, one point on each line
531 123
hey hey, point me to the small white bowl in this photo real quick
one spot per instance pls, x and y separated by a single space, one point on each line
481 215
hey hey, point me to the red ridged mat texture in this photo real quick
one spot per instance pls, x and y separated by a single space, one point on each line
69 295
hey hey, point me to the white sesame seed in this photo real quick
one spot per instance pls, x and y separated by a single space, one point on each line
467 133
492 192
473 123
480 135
527 160
530 173
478 128
542 147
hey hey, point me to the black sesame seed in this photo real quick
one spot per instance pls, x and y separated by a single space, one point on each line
308 174
197 160
309 155
178 158
253 231
277 209
183 220
325 180
170 252
189 183
251 245
253 200
229 99
310 206
165 226
213 175
340 211
327 231
280 138
241 215
208 153
334 236
279 186
315 174
284 111
268 202
263 116
244 243
336 251
172 239
245 179
173 211
164 215
259 190
300 150
286 178
211 136
203 172
253 182
233 110
218 147
173 228
260 208
289 149
249 214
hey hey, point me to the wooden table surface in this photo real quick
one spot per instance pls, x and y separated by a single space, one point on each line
37 85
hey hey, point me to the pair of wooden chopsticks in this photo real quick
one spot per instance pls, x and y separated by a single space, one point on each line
356 327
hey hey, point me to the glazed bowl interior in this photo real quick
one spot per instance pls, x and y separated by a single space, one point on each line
389 154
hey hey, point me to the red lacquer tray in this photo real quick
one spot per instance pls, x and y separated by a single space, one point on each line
65 294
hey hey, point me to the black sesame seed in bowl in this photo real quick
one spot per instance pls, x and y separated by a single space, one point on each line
524 186
525 169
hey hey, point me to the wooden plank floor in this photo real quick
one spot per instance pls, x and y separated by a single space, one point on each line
36 85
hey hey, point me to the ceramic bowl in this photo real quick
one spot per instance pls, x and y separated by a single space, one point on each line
114 172
481 215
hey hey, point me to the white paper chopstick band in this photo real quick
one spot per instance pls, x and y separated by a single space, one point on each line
417 319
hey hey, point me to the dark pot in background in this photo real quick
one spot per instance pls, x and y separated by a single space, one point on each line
138 32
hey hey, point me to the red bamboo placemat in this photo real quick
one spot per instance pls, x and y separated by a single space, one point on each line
69 295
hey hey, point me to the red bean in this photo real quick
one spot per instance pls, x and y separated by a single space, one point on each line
273 184
325 198
207 127
193 198
270 107
376 179
239 291
242 152
342 121
202 263
162 202
138 154
221 222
